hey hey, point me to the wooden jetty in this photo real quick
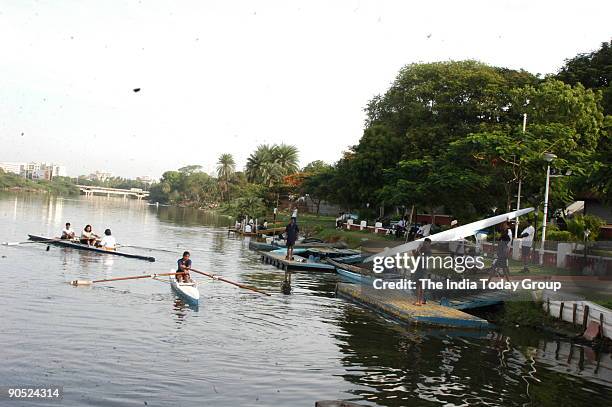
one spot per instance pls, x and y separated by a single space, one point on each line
399 305
298 263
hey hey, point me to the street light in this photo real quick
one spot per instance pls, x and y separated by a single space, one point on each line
549 157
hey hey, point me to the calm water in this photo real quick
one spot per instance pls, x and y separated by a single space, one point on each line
131 343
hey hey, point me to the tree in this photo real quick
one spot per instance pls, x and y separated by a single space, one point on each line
269 164
315 167
226 167
593 70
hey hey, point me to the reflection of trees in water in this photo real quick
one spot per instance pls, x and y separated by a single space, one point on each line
400 365
190 216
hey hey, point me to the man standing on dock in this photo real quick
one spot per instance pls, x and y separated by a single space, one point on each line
291 232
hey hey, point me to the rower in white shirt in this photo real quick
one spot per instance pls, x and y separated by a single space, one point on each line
108 242
67 233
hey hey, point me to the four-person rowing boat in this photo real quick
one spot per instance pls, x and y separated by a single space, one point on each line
80 246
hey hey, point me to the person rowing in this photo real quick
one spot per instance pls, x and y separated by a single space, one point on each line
108 242
67 233
184 265
88 237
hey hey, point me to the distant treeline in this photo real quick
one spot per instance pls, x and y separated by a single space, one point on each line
57 186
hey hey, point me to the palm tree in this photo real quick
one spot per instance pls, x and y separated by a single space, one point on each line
256 162
226 166
287 157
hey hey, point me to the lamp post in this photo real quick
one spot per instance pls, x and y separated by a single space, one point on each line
520 181
549 157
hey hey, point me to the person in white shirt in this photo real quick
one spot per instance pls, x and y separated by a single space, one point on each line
108 242
67 233
526 242
294 213
247 228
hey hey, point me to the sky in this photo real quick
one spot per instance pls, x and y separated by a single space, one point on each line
225 76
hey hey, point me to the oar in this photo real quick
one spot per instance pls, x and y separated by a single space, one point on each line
29 241
88 282
147 248
246 287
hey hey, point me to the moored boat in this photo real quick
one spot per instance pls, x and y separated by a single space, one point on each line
187 291
80 246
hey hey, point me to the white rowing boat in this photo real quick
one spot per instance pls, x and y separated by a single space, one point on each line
187 291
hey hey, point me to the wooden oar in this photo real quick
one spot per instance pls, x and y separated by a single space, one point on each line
88 282
246 287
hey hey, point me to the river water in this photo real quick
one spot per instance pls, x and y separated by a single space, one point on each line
134 343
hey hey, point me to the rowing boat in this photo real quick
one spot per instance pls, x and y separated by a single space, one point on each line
80 246
187 291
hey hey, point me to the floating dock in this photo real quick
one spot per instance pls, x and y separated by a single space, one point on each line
399 305
298 263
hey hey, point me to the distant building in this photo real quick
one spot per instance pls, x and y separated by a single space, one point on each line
15 168
99 176
35 170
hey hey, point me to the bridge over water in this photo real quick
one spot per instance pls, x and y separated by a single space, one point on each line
89 190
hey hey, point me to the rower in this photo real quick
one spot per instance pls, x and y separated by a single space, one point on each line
108 242
88 237
67 233
184 264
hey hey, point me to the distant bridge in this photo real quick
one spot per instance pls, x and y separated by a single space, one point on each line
89 190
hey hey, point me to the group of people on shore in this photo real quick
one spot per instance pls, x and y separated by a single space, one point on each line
88 237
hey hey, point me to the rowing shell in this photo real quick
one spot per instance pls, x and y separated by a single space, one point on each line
187 291
80 246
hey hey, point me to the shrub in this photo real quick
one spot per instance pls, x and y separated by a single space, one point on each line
579 223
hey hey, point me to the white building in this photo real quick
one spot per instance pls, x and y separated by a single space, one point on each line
15 168
35 170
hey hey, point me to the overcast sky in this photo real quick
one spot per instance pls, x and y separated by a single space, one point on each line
225 76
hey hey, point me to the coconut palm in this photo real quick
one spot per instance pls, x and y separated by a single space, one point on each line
287 157
226 166
256 162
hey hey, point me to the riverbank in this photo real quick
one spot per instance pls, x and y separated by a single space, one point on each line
57 186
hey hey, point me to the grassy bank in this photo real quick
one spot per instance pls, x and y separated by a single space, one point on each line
57 186
324 228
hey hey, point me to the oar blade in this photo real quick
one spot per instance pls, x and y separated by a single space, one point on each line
81 282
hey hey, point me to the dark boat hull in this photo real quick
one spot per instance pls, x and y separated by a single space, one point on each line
79 246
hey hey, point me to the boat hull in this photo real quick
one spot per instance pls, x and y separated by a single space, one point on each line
187 291
79 246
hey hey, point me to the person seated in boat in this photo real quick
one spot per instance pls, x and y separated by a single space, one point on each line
108 242
248 228
184 264
67 233
88 237
264 225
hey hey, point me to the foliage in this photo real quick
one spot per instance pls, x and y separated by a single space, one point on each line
57 186
113 182
579 223
226 166
559 236
186 186
269 164
593 70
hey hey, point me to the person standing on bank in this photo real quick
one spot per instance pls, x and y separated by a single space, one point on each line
526 242
291 233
